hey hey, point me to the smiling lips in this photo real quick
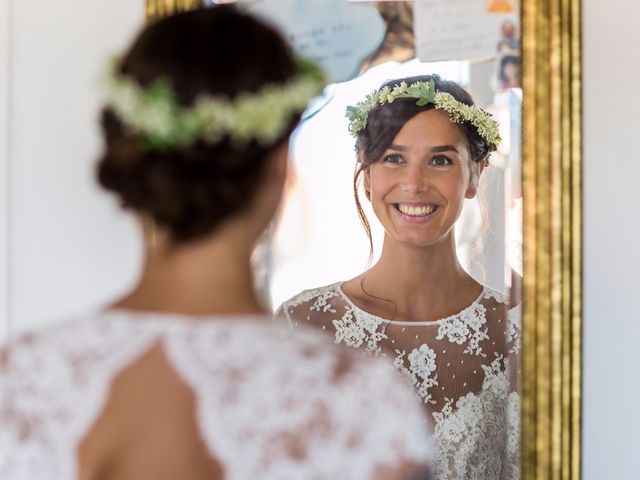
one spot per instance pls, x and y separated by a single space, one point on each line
416 210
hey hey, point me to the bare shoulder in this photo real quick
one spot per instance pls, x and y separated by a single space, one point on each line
127 433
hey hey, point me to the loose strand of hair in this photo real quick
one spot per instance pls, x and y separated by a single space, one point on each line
361 215
395 305
367 227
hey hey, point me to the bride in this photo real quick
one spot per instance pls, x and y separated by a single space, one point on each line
186 376
422 146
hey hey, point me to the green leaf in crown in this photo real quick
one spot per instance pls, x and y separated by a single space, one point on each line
154 114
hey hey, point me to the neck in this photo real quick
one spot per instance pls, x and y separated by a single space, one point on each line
207 277
422 282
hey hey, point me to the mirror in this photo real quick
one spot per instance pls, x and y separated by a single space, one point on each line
436 295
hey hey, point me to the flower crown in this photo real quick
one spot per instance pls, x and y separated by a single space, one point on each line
153 112
426 93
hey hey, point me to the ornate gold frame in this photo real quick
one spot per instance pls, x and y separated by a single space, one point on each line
161 8
552 186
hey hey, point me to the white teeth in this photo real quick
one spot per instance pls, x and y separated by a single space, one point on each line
416 211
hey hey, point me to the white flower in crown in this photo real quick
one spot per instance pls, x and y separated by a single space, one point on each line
459 112
425 93
153 112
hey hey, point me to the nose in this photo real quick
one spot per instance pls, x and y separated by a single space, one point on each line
415 179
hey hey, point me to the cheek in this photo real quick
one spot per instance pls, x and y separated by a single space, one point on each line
454 187
380 184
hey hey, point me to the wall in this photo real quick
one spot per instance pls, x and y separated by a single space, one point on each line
68 247
612 239
4 164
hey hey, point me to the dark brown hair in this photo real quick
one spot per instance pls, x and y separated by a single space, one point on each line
216 51
385 121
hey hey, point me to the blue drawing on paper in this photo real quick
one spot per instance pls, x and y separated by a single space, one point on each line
337 33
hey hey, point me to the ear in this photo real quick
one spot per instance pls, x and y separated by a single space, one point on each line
475 172
366 173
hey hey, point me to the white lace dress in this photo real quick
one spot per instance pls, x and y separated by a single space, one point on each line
254 386
459 367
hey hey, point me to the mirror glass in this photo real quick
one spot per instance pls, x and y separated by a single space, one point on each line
436 286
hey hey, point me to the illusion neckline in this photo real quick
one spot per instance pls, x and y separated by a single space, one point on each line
403 323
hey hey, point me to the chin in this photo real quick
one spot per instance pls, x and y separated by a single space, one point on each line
421 244
414 241
420 239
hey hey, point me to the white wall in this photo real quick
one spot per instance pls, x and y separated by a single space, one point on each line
612 239
4 164
69 247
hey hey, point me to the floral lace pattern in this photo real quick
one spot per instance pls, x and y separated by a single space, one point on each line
514 329
470 435
422 363
466 328
457 365
54 386
354 331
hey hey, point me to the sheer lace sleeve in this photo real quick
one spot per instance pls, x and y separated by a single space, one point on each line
514 344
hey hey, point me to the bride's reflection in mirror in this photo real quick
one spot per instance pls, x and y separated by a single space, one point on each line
432 297
422 147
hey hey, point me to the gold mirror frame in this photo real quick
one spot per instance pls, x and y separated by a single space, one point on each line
552 189
156 9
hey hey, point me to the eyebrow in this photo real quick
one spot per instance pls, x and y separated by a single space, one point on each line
438 149
399 148
444 148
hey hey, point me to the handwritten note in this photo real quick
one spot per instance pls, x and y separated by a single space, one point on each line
457 29
337 34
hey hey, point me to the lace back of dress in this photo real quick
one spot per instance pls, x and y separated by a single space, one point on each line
269 404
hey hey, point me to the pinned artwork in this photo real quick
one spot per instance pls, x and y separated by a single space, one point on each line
461 29
337 34
501 6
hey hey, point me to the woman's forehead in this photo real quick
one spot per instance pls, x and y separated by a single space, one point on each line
430 128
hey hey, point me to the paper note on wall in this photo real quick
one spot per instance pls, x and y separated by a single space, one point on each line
336 33
460 29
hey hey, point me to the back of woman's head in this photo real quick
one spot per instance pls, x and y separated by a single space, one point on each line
217 52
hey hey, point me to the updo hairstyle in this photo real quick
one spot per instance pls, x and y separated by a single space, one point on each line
216 51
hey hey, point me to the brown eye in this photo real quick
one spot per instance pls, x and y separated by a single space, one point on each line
441 161
393 159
